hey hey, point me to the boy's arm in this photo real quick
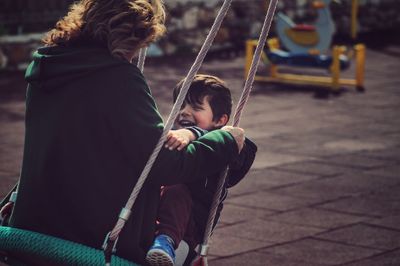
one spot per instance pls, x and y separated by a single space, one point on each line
180 138
239 168
198 132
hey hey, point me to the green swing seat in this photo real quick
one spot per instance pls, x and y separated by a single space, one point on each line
18 246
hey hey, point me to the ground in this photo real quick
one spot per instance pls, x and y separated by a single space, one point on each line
324 189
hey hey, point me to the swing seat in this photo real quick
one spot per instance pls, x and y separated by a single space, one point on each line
280 57
23 247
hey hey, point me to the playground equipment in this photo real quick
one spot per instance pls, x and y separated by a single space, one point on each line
301 38
335 64
307 46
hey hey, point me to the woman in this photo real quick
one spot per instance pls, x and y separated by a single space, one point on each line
91 124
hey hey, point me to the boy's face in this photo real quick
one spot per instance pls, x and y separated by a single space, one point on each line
198 115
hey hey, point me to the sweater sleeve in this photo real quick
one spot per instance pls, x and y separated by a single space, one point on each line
137 126
239 167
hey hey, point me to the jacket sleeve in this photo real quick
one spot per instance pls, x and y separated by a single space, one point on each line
198 132
239 167
137 127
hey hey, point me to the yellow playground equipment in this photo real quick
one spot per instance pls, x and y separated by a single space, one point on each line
307 46
335 64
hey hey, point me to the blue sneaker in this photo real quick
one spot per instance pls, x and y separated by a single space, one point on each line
162 252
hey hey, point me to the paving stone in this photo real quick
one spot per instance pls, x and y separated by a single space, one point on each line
262 230
319 190
392 171
360 181
260 259
372 129
316 218
222 246
356 160
363 206
365 235
391 258
338 186
351 145
314 150
341 145
234 214
319 251
392 221
258 180
271 159
391 154
315 168
386 193
270 201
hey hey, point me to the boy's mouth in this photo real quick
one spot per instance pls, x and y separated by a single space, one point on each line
186 123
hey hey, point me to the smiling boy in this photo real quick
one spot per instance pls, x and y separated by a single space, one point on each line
184 208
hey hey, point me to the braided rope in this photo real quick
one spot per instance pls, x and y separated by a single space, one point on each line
243 99
142 57
181 97
256 59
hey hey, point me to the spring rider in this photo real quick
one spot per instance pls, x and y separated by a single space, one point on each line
308 46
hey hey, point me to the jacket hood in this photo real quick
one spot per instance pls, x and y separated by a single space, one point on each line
55 66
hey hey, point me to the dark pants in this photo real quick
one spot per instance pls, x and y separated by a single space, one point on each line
175 217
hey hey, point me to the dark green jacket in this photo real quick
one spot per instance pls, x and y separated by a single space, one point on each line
91 124
202 192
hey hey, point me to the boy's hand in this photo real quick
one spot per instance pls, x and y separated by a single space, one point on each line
179 139
238 135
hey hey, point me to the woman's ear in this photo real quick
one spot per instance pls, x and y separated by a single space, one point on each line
222 121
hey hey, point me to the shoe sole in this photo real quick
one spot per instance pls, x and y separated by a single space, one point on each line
158 257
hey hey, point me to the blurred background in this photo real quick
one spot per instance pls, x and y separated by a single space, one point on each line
23 22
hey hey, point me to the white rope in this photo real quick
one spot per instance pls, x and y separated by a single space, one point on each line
141 59
181 97
243 99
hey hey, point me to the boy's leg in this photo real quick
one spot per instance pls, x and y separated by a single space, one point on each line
193 238
192 235
196 226
174 212
173 215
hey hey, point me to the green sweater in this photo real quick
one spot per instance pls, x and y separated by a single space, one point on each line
91 124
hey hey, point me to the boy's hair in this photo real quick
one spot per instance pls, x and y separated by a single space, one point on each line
124 26
220 98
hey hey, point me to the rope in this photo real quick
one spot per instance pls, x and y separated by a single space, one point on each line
172 117
243 99
254 64
142 57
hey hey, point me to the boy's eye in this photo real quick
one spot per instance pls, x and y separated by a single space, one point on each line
197 108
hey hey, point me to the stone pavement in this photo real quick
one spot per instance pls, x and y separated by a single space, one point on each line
325 187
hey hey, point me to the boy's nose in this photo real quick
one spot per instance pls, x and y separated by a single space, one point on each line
184 112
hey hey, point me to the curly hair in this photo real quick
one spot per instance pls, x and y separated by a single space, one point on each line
124 26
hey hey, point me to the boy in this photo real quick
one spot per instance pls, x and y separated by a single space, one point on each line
184 208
